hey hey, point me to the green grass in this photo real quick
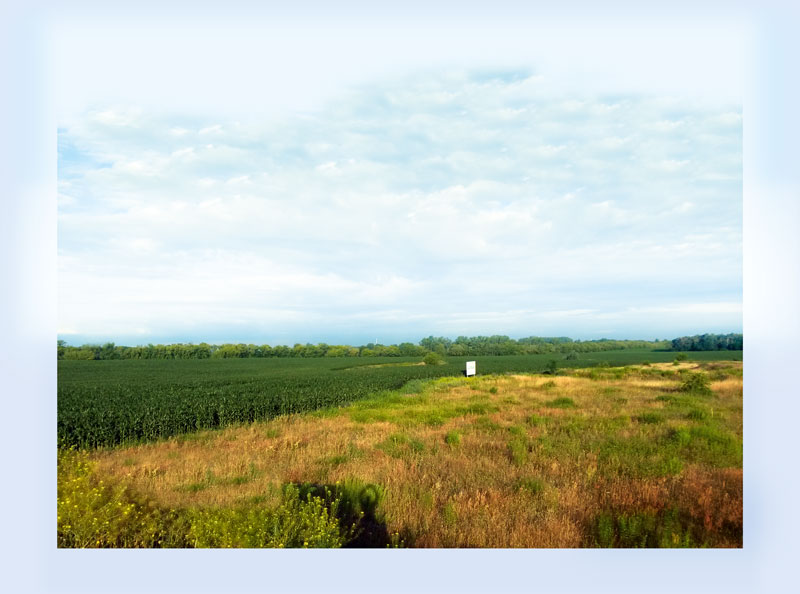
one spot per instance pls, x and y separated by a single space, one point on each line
650 418
562 402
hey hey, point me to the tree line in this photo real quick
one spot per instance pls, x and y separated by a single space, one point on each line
708 342
463 346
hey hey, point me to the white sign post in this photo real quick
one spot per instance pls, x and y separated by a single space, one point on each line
470 368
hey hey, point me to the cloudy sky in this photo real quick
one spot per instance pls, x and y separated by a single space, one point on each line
519 193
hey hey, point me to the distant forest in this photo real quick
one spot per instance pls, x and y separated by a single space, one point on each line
460 347
708 342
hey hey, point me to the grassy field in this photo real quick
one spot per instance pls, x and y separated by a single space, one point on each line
642 455
103 403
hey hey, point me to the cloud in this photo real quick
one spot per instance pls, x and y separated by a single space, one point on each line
435 198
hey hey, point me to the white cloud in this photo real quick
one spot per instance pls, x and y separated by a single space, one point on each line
437 197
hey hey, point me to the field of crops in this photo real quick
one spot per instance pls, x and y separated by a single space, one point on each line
104 403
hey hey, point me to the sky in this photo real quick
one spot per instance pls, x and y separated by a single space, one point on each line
521 185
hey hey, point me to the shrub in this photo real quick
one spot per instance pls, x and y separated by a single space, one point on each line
433 359
681 357
571 356
551 368
697 383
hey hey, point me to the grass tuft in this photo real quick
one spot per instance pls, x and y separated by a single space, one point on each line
453 438
562 402
650 418
535 486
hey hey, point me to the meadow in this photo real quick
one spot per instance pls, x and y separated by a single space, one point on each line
623 454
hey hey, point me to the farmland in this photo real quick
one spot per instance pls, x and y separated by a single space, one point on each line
103 403
621 454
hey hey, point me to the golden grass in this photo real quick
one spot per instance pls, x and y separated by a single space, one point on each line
525 472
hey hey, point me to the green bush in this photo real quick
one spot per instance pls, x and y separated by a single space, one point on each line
697 383
433 359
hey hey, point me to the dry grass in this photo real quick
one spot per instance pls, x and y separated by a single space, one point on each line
537 457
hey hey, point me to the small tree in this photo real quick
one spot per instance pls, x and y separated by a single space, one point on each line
551 367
